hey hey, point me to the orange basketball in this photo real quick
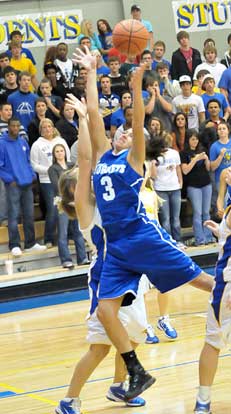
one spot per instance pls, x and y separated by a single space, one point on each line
130 37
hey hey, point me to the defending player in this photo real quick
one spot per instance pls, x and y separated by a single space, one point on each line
218 328
133 317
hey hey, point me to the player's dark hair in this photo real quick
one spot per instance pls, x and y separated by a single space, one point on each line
155 147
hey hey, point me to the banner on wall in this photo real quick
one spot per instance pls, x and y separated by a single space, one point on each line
40 29
203 15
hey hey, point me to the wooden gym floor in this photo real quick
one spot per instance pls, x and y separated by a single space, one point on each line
39 349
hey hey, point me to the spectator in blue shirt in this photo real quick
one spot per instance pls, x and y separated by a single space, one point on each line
208 85
136 14
105 37
225 84
17 173
23 101
108 102
158 54
220 151
118 118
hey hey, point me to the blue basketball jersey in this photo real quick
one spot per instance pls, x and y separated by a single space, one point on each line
117 188
135 244
223 266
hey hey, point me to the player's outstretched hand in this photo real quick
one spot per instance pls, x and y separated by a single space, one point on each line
79 106
138 75
84 59
213 226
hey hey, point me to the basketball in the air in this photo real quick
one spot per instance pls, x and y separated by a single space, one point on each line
130 37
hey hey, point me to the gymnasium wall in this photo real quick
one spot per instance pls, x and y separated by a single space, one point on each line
159 12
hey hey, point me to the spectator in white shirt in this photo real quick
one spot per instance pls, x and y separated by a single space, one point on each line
215 68
190 104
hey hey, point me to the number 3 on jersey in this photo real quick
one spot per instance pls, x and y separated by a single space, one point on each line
109 193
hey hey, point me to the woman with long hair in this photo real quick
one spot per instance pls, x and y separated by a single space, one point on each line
195 166
41 160
179 128
105 37
50 55
66 227
168 183
86 29
40 113
220 151
155 126
67 125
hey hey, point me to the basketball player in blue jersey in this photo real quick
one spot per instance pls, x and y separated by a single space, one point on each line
135 244
218 327
133 317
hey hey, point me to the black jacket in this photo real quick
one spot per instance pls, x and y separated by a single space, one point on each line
67 131
179 65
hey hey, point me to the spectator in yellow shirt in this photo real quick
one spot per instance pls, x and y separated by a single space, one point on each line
197 87
21 63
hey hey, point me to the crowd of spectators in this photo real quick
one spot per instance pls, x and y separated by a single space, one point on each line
187 102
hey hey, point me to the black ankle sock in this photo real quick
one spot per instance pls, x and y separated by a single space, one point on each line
131 361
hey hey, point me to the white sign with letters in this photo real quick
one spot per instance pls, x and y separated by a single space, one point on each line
202 15
41 29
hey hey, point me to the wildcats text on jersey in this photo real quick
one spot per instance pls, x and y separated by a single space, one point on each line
103 168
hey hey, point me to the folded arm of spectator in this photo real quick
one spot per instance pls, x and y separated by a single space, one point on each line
50 105
215 164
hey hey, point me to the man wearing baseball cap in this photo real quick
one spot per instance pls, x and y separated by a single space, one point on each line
189 103
208 85
136 14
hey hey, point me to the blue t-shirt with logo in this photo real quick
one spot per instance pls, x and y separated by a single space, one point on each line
23 105
214 152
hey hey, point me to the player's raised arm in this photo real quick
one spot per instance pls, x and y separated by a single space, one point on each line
136 156
100 143
84 199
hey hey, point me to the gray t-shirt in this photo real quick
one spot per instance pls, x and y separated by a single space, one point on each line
161 113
